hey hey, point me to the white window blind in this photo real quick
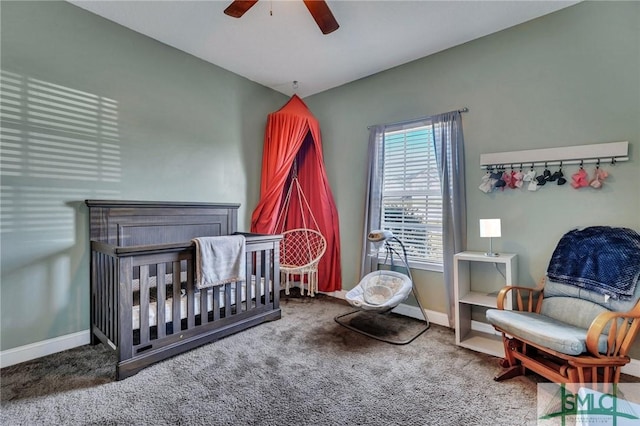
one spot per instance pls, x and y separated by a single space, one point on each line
411 193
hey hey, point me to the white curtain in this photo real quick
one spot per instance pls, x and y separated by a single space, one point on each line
448 142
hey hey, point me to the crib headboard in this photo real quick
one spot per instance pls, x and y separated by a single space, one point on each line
134 223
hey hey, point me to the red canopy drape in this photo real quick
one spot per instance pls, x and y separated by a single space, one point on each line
293 133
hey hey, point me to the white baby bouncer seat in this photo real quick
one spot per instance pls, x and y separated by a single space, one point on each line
382 290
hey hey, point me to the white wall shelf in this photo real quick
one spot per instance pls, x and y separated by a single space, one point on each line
603 152
466 297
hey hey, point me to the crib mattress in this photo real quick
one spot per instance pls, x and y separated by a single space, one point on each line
168 306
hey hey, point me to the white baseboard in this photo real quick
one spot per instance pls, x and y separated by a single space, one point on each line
414 312
46 347
633 368
341 294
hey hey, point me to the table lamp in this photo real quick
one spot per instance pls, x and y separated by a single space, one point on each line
490 228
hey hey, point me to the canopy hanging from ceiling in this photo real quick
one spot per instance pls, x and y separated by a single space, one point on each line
293 138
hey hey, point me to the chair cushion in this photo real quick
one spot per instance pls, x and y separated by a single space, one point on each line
577 312
544 331
554 288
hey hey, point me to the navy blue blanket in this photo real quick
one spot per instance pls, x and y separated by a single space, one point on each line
602 259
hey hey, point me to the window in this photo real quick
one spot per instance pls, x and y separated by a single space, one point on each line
411 193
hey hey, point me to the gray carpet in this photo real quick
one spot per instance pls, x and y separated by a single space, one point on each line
304 369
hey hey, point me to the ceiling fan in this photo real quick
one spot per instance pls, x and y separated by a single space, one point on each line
318 9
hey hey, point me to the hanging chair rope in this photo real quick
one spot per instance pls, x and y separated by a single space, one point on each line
302 248
301 197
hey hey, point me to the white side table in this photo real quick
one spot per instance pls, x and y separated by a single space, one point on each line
466 298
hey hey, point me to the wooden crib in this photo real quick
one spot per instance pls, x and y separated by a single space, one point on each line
144 302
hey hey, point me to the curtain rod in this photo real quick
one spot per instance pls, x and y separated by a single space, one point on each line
461 110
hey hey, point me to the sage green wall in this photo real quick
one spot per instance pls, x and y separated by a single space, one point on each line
187 131
570 78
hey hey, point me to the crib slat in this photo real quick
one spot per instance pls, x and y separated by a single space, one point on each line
239 285
191 310
144 304
204 313
97 319
125 322
268 285
92 292
267 269
275 277
106 295
98 285
175 309
258 274
227 300
115 264
101 322
161 291
216 303
113 298
250 283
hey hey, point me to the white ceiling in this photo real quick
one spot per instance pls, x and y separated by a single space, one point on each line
275 49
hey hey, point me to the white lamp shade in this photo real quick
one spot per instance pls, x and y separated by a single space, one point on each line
490 228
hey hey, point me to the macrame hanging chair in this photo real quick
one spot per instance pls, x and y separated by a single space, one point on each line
301 248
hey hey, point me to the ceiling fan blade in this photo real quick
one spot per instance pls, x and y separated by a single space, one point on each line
238 7
322 15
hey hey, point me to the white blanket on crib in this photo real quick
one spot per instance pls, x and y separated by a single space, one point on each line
219 260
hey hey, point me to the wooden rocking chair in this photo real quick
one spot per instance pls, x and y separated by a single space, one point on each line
542 341
575 333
